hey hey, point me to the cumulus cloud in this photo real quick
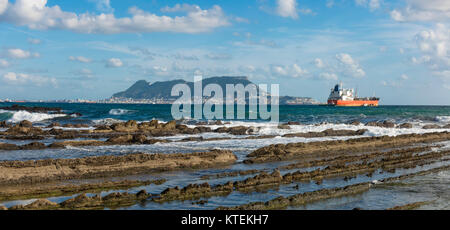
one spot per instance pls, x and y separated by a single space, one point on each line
22 79
287 8
181 8
288 71
80 59
21 54
349 66
103 5
36 14
319 63
434 44
419 10
114 62
371 4
4 63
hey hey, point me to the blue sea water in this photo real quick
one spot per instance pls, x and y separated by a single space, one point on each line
304 114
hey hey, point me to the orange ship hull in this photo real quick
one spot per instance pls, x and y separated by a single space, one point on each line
353 103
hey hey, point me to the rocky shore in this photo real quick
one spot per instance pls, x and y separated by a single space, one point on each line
31 172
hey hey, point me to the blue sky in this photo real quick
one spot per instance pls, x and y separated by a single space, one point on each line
398 50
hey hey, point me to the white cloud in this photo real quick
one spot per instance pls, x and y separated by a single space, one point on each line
35 14
181 8
114 62
328 76
319 63
404 77
34 41
287 8
420 10
21 54
4 63
3 6
434 44
22 79
80 59
103 5
371 4
350 66
288 71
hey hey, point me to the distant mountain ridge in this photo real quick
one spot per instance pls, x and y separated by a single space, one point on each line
160 92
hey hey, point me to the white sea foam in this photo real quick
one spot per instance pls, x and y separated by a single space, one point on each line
107 121
18 116
443 119
118 112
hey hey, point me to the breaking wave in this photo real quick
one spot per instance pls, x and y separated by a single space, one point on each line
443 119
118 112
18 116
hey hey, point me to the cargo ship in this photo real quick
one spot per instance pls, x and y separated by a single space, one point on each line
347 97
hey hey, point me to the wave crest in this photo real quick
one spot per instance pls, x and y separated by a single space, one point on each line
118 112
18 116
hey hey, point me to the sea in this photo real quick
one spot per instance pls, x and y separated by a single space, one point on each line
433 187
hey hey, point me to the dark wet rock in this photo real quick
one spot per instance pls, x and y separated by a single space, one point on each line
203 129
76 201
237 130
77 126
103 128
3 124
23 130
26 124
284 127
406 126
387 124
200 202
218 122
55 131
372 123
65 135
34 145
328 133
5 146
202 123
54 124
192 139
154 141
446 126
142 194
356 123
170 125
384 124
129 126
357 209
431 127
120 139
293 123
139 138
37 205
